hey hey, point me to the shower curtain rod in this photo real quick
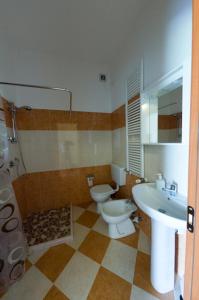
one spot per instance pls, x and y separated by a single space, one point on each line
42 87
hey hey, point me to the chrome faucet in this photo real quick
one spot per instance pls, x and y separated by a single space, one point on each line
171 189
129 201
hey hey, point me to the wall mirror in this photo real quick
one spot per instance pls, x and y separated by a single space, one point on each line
170 113
165 108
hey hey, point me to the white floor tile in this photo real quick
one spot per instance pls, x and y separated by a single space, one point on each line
78 276
101 226
120 259
76 212
35 255
79 234
144 243
34 285
92 207
140 294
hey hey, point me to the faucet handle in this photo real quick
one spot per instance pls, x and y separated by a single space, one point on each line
174 187
171 188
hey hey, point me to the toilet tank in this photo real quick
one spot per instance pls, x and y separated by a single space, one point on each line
118 174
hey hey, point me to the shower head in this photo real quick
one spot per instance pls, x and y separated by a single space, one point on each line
26 107
13 107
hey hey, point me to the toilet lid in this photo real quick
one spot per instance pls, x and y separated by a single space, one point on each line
102 189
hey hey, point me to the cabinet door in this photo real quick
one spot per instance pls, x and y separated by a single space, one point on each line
149 119
153 120
145 124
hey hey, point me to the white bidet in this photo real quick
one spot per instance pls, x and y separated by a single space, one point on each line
116 213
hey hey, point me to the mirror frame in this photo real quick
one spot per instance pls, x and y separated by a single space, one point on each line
169 102
149 105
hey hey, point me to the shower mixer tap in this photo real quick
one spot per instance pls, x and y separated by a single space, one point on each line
13 109
12 139
14 163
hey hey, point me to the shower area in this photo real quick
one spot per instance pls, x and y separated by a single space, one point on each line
44 227
47 155
30 217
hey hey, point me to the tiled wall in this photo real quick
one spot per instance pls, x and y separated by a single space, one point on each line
119 146
7 113
46 190
56 140
57 150
118 118
45 119
60 150
119 136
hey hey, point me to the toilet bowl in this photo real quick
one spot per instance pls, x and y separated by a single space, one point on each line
116 213
102 192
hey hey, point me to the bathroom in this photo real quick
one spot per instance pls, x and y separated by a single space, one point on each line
60 153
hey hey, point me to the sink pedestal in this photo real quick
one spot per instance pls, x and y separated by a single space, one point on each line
162 257
168 215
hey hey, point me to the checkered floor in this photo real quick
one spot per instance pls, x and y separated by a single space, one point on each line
92 267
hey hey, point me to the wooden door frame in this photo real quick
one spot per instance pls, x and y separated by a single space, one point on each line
192 244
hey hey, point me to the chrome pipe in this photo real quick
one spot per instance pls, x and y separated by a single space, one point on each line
71 100
13 138
42 87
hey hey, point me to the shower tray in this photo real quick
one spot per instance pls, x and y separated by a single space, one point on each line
49 227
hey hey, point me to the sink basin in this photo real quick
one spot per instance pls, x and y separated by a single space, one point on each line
170 211
168 216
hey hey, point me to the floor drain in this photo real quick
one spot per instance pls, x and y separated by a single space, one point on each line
162 210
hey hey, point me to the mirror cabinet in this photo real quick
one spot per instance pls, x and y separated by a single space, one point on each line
165 109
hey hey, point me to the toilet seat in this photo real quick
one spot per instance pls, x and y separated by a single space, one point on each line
101 191
102 188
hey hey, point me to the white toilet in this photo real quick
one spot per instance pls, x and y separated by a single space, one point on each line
102 192
115 212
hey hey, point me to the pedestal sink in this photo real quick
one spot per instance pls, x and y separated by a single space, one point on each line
168 215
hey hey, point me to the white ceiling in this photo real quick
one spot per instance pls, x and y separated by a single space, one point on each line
94 30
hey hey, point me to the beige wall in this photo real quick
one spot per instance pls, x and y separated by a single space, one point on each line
57 150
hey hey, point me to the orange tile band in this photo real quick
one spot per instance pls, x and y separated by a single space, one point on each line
54 189
7 113
45 119
118 118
